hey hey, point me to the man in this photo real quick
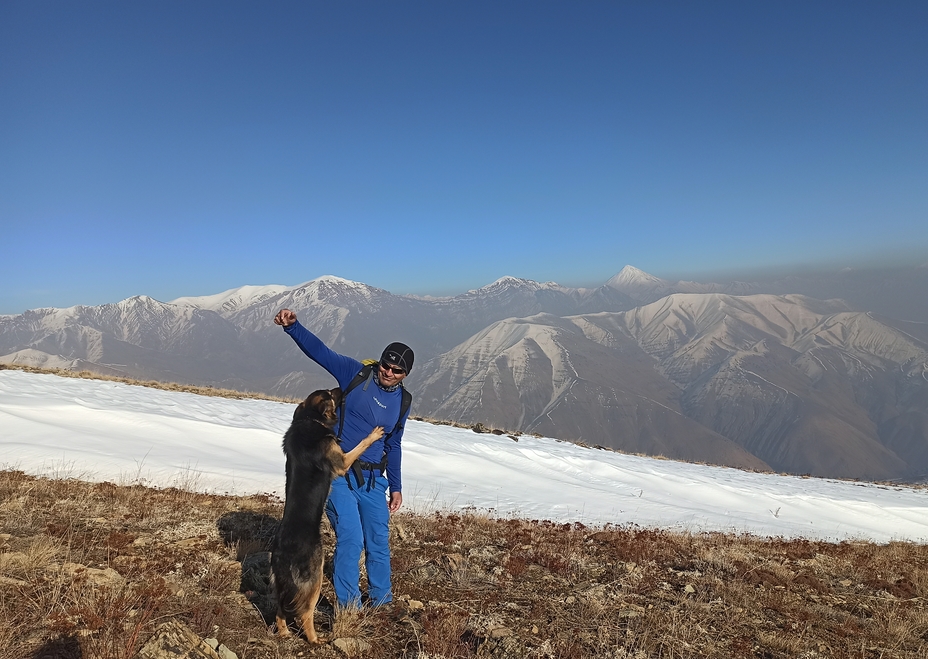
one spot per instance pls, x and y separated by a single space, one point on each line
357 507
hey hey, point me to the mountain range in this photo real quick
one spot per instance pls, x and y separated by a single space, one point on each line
753 375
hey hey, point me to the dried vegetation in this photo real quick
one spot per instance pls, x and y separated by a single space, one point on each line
89 570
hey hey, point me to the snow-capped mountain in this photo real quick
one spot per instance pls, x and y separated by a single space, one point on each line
639 285
542 373
894 292
138 337
802 385
230 301
681 369
644 288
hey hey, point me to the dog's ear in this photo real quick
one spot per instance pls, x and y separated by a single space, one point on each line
328 409
337 395
334 400
302 409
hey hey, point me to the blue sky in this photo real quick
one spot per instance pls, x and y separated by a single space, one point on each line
185 148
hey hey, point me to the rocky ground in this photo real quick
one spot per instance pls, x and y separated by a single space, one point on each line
116 571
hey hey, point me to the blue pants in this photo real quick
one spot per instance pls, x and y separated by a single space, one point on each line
361 521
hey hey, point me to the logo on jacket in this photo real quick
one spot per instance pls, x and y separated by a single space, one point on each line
379 403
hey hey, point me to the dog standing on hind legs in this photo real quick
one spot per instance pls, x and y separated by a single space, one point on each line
314 458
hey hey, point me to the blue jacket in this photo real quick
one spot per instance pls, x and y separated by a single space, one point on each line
364 410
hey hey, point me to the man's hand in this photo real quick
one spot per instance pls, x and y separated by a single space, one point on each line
396 500
285 318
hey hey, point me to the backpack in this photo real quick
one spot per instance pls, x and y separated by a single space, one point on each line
366 375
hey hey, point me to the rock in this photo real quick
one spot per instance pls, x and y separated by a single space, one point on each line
175 640
78 572
415 605
190 543
452 562
221 650
507 647
599 593
352 647
427 572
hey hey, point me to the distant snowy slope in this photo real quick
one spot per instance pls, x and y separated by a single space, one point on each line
99 430
233 300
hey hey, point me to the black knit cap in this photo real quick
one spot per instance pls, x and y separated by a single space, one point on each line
398 354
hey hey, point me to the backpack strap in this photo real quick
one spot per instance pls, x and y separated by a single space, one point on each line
404 408
366 375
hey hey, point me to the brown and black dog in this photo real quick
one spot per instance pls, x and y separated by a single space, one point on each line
313 460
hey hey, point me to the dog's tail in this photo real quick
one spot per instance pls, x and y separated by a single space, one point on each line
284 590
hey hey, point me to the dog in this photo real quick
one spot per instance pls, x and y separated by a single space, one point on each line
314 459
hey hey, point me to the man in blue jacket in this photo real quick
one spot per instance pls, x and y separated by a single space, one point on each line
360 511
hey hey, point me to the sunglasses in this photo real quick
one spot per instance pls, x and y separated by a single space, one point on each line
396 369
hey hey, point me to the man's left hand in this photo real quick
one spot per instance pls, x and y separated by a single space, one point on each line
396 500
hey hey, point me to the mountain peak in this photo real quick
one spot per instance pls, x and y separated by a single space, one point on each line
328 282
508 282
232 299
137 300
329 288
630 275
332 279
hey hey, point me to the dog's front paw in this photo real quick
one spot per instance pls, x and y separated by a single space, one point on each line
376 434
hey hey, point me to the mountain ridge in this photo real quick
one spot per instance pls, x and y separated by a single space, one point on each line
763 381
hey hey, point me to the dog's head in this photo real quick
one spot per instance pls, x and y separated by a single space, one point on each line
320 405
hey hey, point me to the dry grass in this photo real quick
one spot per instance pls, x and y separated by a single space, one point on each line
88 570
